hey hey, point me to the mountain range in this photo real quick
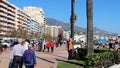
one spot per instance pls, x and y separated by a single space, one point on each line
66 27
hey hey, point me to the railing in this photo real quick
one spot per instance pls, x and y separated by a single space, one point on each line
3 5
3 14
3 10
3 19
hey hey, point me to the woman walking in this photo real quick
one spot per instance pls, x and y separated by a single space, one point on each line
29 58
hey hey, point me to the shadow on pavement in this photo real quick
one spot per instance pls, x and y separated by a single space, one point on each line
45 60
59 59
58 56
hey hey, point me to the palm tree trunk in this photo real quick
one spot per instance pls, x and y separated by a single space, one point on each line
89 7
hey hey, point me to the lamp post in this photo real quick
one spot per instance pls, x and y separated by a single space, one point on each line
72 19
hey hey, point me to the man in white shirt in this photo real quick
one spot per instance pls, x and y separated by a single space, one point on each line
26 44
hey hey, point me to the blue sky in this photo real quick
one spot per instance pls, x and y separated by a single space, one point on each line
106 13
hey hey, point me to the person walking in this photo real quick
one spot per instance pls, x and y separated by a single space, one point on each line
48 45
116 46
70 49
17 54
26 43
110 44
56 43
52 44
29 57
43 45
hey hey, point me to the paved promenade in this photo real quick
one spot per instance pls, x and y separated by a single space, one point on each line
44 59
115 66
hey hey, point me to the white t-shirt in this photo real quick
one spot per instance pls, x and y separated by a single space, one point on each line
26 44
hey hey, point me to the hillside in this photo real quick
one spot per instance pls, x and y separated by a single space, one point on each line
66 27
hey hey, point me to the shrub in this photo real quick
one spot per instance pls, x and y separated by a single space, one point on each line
100 58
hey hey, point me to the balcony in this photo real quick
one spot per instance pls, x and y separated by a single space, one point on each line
21 13
11 17
2 33
3 19
21 18
3 24
11 21
11 14
4 10
4 28
3 14
22 21
24 26
2 4
9 28
11 9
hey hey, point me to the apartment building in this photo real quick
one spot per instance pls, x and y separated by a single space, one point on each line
48 30
21 20
12 18
7 17
32 25
56 30
66 35
36 13
53 31
60 29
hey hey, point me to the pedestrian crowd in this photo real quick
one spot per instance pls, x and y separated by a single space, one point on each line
22 53
111 44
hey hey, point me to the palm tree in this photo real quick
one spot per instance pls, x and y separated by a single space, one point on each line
89 11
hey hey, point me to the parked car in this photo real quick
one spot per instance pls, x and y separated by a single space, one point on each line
5 43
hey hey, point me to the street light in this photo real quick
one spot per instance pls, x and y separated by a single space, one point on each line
72 19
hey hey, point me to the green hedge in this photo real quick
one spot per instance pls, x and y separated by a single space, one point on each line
104 59
82 52
100 58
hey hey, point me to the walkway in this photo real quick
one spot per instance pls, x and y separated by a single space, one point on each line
44 59
115 66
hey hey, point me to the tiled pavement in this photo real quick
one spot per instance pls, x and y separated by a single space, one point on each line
44 59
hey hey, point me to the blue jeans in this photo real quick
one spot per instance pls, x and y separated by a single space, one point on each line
30 66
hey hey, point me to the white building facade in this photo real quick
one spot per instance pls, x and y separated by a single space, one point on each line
66 35
7 17
53 31
32 25
12 18
36 13
79 38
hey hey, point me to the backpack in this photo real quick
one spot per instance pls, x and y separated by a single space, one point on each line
28 56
